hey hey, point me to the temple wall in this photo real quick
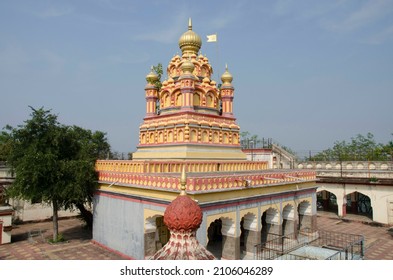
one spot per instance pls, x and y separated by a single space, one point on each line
118 224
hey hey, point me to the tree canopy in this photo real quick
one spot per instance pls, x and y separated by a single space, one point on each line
53 163
360 148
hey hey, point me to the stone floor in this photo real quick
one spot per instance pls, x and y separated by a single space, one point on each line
78 245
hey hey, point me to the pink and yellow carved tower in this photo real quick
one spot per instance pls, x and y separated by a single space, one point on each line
190 117
189 125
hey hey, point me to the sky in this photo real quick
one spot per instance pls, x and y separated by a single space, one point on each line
306 73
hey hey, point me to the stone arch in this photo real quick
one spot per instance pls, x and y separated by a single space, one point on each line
360 166
359 203
249 233
143 138
222 236
327 201
156 234
305 216
288 219
270 223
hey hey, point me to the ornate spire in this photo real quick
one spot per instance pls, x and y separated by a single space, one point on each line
190 42
152 77
183 217
227 77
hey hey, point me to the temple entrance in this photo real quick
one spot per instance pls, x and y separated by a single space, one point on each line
327 201
360 204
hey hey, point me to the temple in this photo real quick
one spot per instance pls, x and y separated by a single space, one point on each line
189 117
190 124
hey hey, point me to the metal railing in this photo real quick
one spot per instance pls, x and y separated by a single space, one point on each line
337 246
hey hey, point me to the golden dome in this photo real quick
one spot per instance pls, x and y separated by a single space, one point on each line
190 41
187 66
227 77
151 77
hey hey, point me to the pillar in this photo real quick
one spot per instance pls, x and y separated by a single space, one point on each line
342 205
252 235
150 237
230 240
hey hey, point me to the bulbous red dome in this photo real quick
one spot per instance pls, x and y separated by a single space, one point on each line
183 214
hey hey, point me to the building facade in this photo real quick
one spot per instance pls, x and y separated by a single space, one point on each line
190 123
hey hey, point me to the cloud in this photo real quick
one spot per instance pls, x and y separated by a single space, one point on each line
381 36
169 33
369 12
52 11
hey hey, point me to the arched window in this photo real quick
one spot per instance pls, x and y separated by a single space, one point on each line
170 136
178 99
196 99
193 136
210 100
180 136
216 137
205 136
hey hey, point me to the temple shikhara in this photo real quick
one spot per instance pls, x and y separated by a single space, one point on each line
190 123
190 117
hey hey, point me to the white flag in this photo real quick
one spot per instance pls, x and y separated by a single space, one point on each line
212 38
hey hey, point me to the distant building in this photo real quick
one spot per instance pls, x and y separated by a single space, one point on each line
189 123
25 211
6 210
274 155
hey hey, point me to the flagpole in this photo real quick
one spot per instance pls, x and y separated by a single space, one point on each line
218 61
213 38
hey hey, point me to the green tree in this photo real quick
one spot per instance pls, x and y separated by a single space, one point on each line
359 148
158 70
54 163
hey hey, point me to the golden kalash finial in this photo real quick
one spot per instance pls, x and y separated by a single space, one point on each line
190 42
227 77
183 181
152 76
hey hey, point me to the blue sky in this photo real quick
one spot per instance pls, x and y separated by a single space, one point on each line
306 73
